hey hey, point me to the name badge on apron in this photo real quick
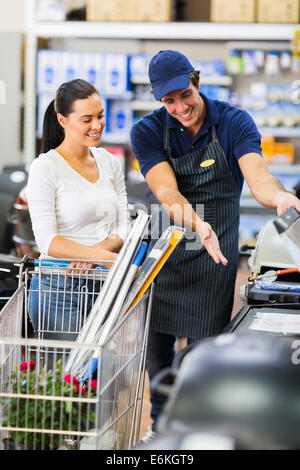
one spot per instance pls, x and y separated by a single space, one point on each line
207 163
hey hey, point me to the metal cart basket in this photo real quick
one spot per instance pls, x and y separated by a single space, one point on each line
42 407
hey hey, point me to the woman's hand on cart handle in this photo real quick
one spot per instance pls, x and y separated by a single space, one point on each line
80 267
84 267
61 247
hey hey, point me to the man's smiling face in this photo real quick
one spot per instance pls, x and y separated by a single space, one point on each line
185 105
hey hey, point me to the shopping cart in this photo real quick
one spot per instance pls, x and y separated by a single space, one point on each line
41 408
58 300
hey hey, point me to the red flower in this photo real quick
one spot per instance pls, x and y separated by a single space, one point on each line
93 384
73 381
25 366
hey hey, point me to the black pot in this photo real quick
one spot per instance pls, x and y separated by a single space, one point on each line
22 233
181 355
163 381
245 385
9 444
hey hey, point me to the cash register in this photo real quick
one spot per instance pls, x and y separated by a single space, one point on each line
272 296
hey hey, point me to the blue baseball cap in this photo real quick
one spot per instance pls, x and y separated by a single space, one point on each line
169 71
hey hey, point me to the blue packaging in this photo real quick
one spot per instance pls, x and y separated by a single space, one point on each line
116 74
48 70
93 69
70 66
119 116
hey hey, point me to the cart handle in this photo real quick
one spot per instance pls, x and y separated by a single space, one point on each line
60 264
31 262
156 384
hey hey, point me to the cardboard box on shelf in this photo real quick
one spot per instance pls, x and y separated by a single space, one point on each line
233 11
278 11
155 10
113 10
131 10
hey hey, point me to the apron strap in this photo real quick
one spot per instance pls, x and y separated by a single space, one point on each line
214 133
166 141
167 146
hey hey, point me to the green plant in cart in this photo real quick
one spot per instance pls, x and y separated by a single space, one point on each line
43 408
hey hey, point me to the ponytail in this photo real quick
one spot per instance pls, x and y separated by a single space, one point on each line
53 133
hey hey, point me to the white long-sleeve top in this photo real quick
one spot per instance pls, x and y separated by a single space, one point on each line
64 203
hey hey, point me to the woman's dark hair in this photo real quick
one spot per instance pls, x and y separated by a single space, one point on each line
67 93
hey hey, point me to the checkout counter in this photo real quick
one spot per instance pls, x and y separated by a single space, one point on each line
241 390
272 296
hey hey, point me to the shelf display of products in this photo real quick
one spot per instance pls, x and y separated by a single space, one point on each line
122 82
272 106
108 72
273 59
123 77
251 62
124 85
282 153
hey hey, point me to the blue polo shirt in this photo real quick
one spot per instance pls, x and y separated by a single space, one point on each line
235 129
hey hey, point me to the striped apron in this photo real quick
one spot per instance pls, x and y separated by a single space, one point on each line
193 295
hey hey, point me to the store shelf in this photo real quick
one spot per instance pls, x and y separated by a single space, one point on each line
177 31
279 131
144 105
221 80
252 207
115 138
127 95
284 169
271 45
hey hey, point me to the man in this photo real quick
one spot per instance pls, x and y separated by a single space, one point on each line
194 152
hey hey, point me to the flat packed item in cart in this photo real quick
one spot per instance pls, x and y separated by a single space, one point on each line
138 286
148 271
90 331
144 280
113 316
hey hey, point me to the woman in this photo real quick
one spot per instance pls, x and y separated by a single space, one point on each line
77 203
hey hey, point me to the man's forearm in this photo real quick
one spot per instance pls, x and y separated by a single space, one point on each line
179 209
267 190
